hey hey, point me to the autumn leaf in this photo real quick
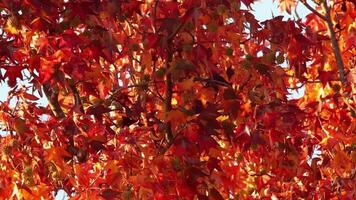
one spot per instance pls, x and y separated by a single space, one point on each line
342 162
352 76
20 126
176 99
287 5
176 117
248 2
49 65
12 25
187 84
12 73
146 60
29 96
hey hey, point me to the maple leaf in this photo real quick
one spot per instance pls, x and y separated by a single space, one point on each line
12 25
352 76
183 147
12 73
351 42
206 142
248 2
326 76
29 96
40 24
20 126
50 64
287 5
212 122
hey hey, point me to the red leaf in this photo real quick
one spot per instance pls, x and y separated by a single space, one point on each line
29 96
12 73
248 2
326 76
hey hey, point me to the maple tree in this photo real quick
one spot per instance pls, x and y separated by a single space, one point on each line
182 99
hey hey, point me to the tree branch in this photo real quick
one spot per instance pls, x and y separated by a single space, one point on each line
305 3
77 100
168 97
154 79
52 96
334 43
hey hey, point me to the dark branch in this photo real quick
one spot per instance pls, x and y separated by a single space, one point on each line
334 43
52 96
168 97
77 100
305 3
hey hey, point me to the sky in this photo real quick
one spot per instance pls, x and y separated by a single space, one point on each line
263 10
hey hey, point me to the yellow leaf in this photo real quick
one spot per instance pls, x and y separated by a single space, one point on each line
66 100
174 101
324 141
287 5
94 100
16 192
222 118
11 25
314 92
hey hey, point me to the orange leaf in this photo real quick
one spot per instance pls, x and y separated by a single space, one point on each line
342 162
175 116
20 125
286 5
146 60
187 84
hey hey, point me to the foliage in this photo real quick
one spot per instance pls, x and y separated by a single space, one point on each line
177 100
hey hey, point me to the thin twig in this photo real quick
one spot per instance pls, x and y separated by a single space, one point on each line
306 4
154 17
168 97
154 79
334 43
209 80
163 151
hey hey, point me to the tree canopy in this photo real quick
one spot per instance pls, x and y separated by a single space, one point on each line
181 99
